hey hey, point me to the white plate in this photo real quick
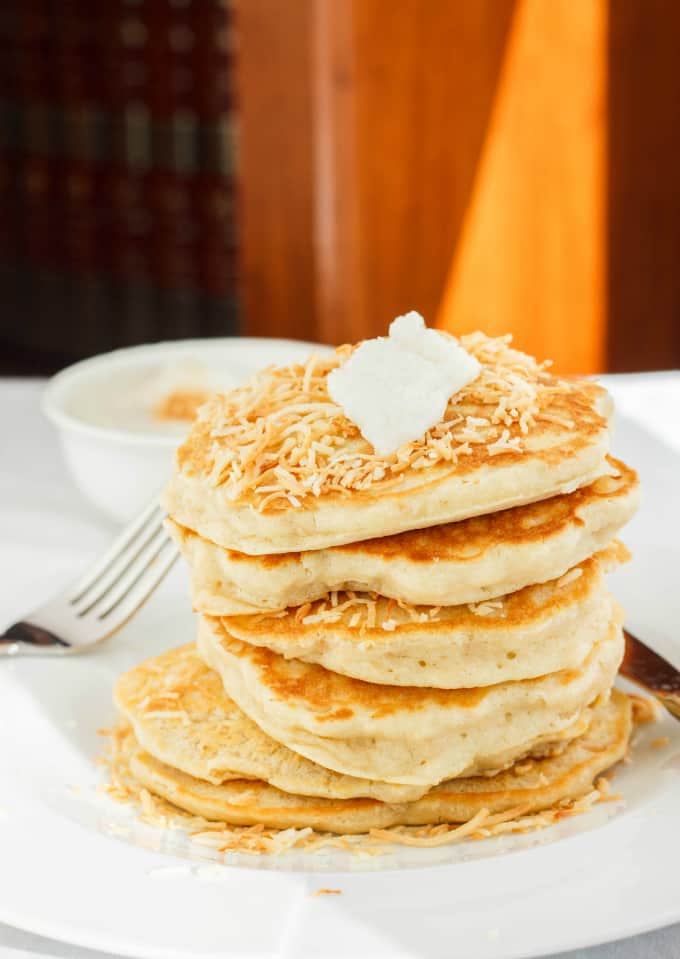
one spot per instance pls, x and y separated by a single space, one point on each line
77 867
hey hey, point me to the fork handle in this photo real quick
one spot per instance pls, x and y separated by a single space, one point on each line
25 638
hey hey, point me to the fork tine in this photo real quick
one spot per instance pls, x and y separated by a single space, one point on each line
120 544
127 576
102 601
142 561
140 590
117 568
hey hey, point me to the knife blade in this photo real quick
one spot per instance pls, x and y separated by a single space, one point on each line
651 671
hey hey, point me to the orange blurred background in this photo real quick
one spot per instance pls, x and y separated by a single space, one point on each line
311 169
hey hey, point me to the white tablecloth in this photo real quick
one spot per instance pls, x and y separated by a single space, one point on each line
38 501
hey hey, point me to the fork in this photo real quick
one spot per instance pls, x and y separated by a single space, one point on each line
104 598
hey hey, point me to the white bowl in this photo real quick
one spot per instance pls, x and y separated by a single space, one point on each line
119 455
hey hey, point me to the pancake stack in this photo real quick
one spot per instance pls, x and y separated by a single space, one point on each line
383 641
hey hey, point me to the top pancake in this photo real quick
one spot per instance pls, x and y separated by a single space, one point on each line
275 466
466 562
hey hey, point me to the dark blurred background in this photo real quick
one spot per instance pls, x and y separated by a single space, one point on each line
116 176
312 168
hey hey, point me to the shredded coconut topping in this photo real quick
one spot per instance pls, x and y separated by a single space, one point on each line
569 577
264 840
487 607
646 709
281 440
357 610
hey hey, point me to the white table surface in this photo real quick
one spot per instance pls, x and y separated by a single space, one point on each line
38 501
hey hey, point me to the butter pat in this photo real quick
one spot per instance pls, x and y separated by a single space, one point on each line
395 388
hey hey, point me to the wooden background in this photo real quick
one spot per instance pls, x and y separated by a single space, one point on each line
503 164
643 223
117 221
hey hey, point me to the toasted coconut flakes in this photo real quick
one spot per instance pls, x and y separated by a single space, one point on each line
365 611
262 840
611 797
603 786
505 444
280 440
309 372
327 892
302 612
564 421
645 709
488 607
569 577
166 714
318 618
370 615
659 742
458 832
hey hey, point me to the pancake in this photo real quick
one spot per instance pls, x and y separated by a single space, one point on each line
465 562
403 734
274 466
182 716
532 632
538 785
